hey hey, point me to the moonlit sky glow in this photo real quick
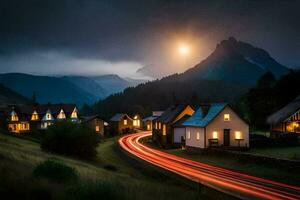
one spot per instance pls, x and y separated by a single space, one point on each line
112 36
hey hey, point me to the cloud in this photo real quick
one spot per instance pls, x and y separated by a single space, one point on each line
131 33
42 63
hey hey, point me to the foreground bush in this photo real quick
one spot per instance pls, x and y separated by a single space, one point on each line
55 171
70 139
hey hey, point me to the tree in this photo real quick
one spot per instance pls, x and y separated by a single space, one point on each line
68 138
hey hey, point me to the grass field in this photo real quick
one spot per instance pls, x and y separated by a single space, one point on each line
278 152
273 173
110 176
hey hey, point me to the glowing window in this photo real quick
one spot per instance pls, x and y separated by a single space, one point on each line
164 129
74 113
226 117
155 125
198 136
97 128
61 115
215 135
14 116
34 116
125 121
148 126
188 135
238 135
48 116
159 125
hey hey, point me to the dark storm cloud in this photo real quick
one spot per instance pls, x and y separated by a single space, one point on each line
119 30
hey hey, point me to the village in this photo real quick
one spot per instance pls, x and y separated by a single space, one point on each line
208 126
143 100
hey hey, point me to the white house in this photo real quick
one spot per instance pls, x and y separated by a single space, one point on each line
216 125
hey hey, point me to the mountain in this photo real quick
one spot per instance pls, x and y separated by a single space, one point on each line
7 96
112 83
236 61
47 89
224 75
88 85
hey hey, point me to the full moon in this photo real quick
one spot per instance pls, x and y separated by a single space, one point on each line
183 50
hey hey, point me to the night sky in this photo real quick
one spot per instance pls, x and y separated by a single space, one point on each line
88 37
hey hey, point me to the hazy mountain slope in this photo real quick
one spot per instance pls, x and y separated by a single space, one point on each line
7 96
112 83
235 61
88 85
47 89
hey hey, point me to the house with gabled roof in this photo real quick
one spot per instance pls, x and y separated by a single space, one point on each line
215 125
121 123
148 121
96 123
287 119
163 126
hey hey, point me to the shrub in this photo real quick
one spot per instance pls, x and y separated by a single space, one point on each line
55 171
70 139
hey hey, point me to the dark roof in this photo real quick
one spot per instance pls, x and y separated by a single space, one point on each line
117 117
204 115
171 113
284 113
89 118
180 122
151 118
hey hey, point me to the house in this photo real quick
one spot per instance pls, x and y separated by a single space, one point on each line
95 123
287 119
148 121
163 126
216 125
121 123
26 118
137 121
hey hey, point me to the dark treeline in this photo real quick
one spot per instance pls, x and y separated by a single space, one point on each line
253 104
160 94
268 96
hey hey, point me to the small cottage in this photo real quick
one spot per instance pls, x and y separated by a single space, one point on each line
95 123
147 122
216 125
287 119
121 123
137 121
163 126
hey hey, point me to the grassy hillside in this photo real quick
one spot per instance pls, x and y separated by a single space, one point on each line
108 177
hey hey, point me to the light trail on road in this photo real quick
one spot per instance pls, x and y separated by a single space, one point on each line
231 182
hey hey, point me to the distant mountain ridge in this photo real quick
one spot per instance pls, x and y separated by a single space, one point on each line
236 61
66 89
47 89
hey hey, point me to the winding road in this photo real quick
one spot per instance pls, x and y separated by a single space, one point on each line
234 183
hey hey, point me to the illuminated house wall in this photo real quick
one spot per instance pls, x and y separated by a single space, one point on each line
220 126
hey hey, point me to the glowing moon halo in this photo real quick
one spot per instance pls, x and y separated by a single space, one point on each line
183 50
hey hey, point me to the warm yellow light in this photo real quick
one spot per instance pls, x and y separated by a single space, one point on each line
215 135
183 50
238 135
